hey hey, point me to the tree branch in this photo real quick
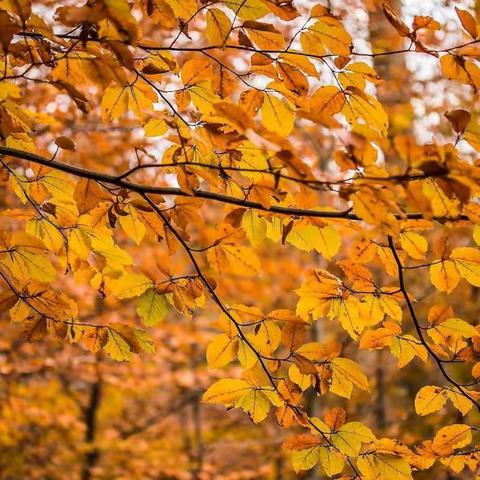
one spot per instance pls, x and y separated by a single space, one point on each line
218 197
419 330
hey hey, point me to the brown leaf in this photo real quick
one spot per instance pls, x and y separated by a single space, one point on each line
88 194
65 143
335 418
468 22
34 328
301 442
459 119
392 16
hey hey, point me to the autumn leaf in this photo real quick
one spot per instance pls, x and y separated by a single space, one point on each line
429 399
153 308
447 439
277 115
467 262
345 374
221 350
226 391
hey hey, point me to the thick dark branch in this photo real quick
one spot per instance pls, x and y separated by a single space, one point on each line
218 197
92 455
207 48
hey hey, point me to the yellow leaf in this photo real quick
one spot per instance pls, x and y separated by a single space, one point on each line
255 227
155 128
221 350
117 348
47 232
56 183
121 13
327 34
78 244
88 194
345 374
246 356
141 97
319 351
253 158
256 404
325 241
144 340
302 62
226 391
277 115
329 242
361 105
247 9
348 312
26 258
317 294
305 459
405 348
365 205
303 381
462 403
114 103
391 307
303 236
183 9
218 26
447 439
467 261
429 399
453 68
195 71
414 244
332 461
440 203
451 330
129 285
371 308
264 35
132 224
203 97
102 243
377 466
325 103
444 276
234 258
350 437
267 337
376 338
357 74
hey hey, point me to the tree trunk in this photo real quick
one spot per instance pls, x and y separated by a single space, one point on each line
393 94
92 455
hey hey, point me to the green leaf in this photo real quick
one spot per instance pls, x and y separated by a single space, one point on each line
153 308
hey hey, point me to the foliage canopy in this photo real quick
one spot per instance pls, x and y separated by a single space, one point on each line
238 161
